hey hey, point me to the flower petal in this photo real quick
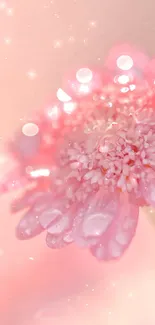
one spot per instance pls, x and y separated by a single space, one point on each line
57 242
27 200
148 190
28 226
48 216
119 235
59 226
96 217
27 146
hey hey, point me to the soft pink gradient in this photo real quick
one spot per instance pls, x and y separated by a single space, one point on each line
40 41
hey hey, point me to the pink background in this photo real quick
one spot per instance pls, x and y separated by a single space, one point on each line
40 41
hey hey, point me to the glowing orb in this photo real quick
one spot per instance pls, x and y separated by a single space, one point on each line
53 112
132 87
42 172
30 129
85 89
123 79
62 96
84 75
70 107
124 62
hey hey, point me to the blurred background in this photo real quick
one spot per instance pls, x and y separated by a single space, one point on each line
41 41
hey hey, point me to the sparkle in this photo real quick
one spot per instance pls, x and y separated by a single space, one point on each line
57 15
7 40
31 258
92 24
130 295
71 39
32 74
113 284
85 41
3 5
9 12
57 44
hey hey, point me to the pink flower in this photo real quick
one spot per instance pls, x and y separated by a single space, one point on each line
102 169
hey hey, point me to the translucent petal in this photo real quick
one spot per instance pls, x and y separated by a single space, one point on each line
48 216
59 226
27 200
148 190
56 242
28 226
97 215
27 146
68 237
119 235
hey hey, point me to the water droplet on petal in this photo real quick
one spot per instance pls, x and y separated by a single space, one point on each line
120 233
59 226
115 250
48 216
96 224
29 226
99 252
55 242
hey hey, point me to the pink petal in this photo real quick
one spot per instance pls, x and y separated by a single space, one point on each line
59 226
96 217
29 226
27 200
148 190
57 242
119 235
48 216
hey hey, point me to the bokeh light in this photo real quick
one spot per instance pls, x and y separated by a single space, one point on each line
70 107
62 96
54 112
84 89
123 79
42 172
84 75
30 129
124 62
